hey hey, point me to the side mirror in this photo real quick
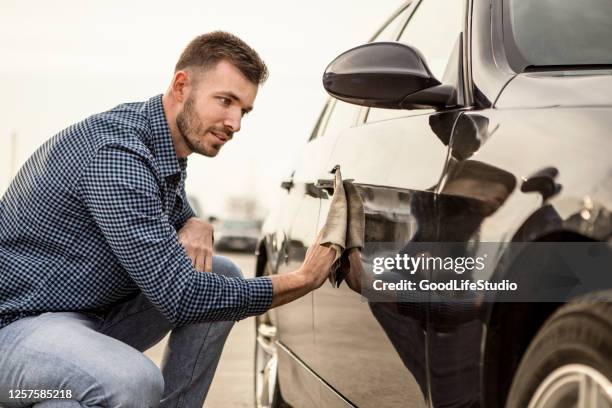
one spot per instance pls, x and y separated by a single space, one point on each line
385 75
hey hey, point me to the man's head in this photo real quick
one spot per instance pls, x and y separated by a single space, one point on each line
214 85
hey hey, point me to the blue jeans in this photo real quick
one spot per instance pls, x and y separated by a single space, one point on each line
99 360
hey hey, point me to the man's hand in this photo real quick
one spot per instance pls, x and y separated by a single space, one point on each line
317 263
196 236
287 287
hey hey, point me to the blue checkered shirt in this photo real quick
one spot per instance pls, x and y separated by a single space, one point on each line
92 218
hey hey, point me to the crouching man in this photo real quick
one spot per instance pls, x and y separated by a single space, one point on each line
101 255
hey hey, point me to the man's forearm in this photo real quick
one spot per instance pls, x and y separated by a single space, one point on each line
290 286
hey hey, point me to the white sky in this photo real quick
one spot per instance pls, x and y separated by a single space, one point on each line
64 60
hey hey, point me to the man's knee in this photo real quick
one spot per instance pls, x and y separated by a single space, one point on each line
224 266
142 386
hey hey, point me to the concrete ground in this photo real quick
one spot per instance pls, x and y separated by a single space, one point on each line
233 382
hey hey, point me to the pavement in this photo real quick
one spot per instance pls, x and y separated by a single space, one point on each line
233 382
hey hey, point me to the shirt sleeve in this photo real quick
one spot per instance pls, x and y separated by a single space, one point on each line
186 212
121 193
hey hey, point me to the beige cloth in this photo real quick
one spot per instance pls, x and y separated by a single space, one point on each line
345 224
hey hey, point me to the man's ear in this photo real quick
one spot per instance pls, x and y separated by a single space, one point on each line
180 85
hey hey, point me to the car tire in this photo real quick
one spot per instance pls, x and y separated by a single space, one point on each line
569 362
267 391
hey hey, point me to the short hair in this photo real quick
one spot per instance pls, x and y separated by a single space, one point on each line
206 50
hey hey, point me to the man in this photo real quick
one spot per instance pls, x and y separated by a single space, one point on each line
101 255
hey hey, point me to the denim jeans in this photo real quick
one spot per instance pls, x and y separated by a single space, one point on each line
99 360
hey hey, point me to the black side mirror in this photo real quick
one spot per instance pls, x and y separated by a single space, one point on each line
388 75
378 75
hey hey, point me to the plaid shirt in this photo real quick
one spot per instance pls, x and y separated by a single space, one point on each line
92 218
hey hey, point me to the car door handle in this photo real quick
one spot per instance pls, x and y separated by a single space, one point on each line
287 184
325 184
328 184
316 192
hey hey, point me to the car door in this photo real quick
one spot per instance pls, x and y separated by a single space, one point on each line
375 353
299 212
295 320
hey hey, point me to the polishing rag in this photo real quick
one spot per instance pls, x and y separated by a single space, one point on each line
345 224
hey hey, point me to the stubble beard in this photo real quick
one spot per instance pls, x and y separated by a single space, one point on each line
189 126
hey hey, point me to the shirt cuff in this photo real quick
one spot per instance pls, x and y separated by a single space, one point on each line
183 220
260 296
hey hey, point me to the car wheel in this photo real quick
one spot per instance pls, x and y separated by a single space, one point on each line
569 362
267 392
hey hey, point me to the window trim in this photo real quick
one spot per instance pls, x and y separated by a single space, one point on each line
316 131
365 110
393 16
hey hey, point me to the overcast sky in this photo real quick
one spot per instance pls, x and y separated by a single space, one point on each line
65 60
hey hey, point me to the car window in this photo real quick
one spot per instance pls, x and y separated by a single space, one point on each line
342 116
391 30
338 115
320 125
433 29
335 116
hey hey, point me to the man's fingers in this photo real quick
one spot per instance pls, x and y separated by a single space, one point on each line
200 262
191 255
208 262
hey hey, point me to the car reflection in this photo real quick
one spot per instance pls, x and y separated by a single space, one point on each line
446 327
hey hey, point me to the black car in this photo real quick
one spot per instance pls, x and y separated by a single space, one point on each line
485 124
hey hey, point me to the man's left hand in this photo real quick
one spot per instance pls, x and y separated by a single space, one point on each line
196 236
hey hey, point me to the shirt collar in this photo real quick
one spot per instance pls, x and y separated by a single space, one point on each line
161 139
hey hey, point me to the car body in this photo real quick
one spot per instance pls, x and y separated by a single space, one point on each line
505 151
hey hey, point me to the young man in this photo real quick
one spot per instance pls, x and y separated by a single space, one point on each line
101 255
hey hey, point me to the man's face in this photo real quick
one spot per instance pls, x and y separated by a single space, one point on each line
214 108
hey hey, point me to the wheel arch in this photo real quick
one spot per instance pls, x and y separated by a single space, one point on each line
511 326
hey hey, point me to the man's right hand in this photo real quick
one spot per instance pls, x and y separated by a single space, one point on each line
317 263
314 271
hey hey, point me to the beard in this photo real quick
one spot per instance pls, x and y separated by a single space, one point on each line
194 132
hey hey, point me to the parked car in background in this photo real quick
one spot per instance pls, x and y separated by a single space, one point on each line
236 235
472 122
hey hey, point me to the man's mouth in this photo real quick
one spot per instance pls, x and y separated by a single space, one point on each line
221 136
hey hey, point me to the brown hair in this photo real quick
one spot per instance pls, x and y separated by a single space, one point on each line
206 50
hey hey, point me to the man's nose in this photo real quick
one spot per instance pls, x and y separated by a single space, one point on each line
233 119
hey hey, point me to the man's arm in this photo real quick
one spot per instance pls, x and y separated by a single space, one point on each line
197 234
196 238
186 212
121 194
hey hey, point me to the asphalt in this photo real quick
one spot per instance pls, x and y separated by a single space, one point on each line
233 382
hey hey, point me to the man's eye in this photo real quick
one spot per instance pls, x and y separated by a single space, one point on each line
225 101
